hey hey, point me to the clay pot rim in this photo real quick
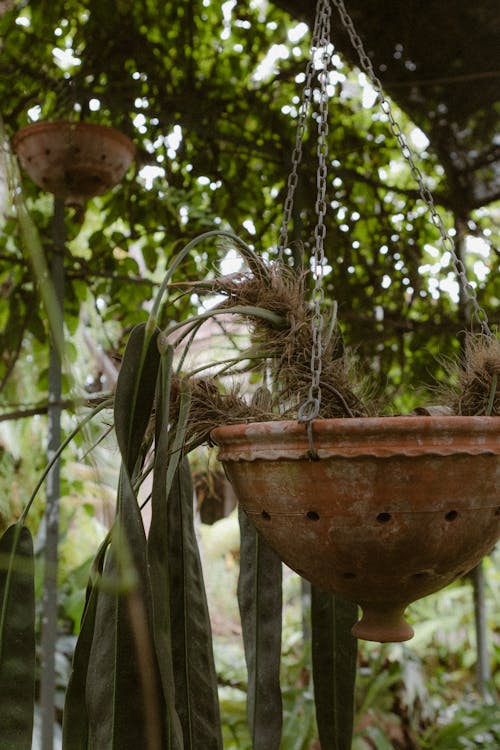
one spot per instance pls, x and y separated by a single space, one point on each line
348 437
56 125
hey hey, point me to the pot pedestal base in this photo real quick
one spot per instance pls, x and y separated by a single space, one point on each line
383 625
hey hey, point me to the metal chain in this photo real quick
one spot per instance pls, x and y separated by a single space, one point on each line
310 409
322 7
447 242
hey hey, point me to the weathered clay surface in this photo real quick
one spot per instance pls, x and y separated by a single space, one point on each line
75 160
394 509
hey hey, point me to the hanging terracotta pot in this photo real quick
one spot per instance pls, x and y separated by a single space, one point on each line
75 160
395 508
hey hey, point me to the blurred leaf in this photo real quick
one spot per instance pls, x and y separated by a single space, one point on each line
135 391
260 602
334 652
75 716
158 554
122 668
379 739
234 720
194 670
470 726
17 638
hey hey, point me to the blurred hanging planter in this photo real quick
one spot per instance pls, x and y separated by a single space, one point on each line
74 160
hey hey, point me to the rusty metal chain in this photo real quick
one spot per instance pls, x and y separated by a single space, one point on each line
385 105
305 105
310 409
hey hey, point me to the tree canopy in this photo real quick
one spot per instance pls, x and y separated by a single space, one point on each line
442 68
209 93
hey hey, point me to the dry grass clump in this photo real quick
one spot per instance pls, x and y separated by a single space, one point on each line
280 290
476 378
209 408
342 392
281 343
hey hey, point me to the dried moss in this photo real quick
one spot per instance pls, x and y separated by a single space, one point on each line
475 378
210 407
288 349
285 352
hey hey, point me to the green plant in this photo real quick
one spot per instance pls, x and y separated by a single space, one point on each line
145 633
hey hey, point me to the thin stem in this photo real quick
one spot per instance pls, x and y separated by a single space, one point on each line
228 363
255 312
493 390
246 251
104 405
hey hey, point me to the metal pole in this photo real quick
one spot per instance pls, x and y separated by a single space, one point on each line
483 669
49 601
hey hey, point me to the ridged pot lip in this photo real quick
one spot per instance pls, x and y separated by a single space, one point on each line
104 131
377 436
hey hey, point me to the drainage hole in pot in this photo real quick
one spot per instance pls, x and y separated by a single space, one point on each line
452 515
420 574
384 517
349 575
103 157
265 515
47 151
312 515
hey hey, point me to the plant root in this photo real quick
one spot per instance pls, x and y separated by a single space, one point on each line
283 292
475 388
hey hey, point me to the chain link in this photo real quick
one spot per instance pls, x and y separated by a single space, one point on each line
304 108
310 409
406 151
321 40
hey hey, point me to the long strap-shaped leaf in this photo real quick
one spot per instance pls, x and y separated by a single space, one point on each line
122 686
334 652
158 556
260 602
17 638
135 393
194 670
75 717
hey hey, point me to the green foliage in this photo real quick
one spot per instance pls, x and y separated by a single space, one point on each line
195 678
17 637
218 129
422 693
184 81
406 694
260 602
118 669
334 652
145 637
